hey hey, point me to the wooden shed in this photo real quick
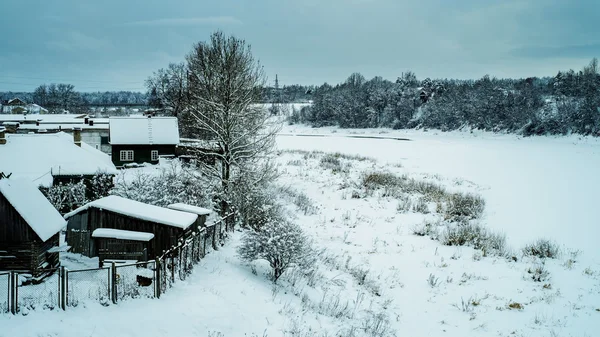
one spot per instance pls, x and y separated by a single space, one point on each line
29 229
167 225
117 244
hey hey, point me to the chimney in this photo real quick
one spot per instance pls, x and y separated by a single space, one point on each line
77 135
86 120
2 135
91 122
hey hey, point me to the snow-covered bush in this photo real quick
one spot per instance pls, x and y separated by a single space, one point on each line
542 248
281 243
464 206
476 236
66 197
100 185
172 184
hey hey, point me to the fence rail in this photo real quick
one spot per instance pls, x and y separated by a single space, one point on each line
106 285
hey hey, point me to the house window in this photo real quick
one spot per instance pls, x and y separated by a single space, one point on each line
103 140
154 155
126 155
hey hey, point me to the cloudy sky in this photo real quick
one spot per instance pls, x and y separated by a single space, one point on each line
117 44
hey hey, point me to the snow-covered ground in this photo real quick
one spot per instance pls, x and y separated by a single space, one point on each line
534 187
373 276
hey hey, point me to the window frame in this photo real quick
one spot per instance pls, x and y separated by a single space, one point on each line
124 155
154 155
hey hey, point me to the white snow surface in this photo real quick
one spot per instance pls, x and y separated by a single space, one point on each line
374 277
36 157
111 233
534 187
190 208
33 207
140 210
144 131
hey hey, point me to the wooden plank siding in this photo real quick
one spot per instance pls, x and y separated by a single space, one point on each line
81 226
20 247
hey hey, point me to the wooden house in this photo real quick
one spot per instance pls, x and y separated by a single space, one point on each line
29 229
48 159
168 226
142 139
10 105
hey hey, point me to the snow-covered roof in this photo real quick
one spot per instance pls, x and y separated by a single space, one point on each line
140 210
110 233
38 157
190 209
48 118
144 131
33 207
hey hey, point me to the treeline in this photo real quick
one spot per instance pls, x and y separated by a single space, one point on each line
61 97
568 102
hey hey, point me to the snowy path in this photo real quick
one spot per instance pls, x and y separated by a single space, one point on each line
534 187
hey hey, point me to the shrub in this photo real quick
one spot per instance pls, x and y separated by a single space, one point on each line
330 161
421 206
464 206
542 248
476 236
282 244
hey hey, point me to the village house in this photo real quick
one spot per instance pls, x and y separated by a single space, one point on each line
127 224
29 229
47 159
15 105
94 131
142 139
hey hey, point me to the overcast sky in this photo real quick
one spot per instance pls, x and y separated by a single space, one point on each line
117 44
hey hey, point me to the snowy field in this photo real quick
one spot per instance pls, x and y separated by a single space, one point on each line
374 276
534 187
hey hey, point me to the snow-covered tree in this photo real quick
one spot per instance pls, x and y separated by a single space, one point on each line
281 243
66 197
224 81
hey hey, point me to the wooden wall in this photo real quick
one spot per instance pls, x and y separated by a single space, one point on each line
81 227
20 247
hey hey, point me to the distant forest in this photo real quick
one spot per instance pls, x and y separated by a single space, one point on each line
566 103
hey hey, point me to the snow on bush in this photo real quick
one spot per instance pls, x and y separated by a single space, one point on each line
464 206
66 197
542 248
281 243
476 236
172 184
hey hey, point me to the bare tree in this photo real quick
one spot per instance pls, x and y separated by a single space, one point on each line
224 80
170 87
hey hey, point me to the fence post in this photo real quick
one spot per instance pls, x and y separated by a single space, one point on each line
157 278
172 267
12 292
214 236
113 271
64 288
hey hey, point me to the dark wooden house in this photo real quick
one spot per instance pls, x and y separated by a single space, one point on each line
168 226
29 229
142 139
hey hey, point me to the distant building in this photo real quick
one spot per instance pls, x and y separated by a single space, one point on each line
94 131
15 105
46 159
29 229
142 139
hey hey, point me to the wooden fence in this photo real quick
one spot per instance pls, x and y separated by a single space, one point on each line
149 279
